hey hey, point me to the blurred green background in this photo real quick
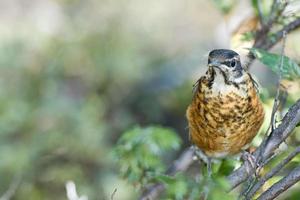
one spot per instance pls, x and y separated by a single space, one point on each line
75 74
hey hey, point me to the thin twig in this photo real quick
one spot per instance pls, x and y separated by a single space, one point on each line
113 194
276 11
278 35
260 13
270 174
276 101
277 95
266 26
266 43
282 185
12 188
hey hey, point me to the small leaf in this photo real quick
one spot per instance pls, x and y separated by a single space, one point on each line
165 179
290 68
178 187
225 6
226 167
248 36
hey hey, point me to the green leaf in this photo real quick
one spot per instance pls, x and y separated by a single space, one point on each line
248 36
165 179
226 167
290 68
177 187
225 6
140 152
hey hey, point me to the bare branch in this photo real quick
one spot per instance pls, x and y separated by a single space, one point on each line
282 185
270 174
288 28
276 100
272 125
260 14
263 152
266 43
113 194
276 10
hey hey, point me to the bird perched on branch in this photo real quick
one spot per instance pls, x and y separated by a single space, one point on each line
226 112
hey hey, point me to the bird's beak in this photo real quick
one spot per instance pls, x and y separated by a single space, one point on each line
214 64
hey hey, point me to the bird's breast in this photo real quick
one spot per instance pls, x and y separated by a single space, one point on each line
224 118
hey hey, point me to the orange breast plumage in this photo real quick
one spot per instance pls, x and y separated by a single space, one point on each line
223 119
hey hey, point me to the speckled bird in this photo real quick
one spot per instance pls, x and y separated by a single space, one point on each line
226 112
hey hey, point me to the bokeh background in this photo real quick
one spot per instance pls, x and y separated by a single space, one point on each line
75 74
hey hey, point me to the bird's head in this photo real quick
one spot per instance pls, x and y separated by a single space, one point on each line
227 63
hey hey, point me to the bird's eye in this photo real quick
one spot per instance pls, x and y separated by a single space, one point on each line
233 63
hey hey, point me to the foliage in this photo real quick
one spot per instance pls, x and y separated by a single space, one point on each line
182 186
290 68
139 152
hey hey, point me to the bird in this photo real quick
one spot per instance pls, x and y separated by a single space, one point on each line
226 112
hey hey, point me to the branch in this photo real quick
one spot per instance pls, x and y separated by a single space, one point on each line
181 164
113 194
270 174
276 11
272 125
263 152
266 43
276 101
260 14
12 188
288 28
282 185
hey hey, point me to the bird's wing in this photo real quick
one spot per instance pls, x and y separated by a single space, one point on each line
254 83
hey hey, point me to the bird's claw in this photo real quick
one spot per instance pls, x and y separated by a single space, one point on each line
253 165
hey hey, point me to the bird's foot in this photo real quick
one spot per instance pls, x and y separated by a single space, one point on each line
252 164
253 168
201 156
